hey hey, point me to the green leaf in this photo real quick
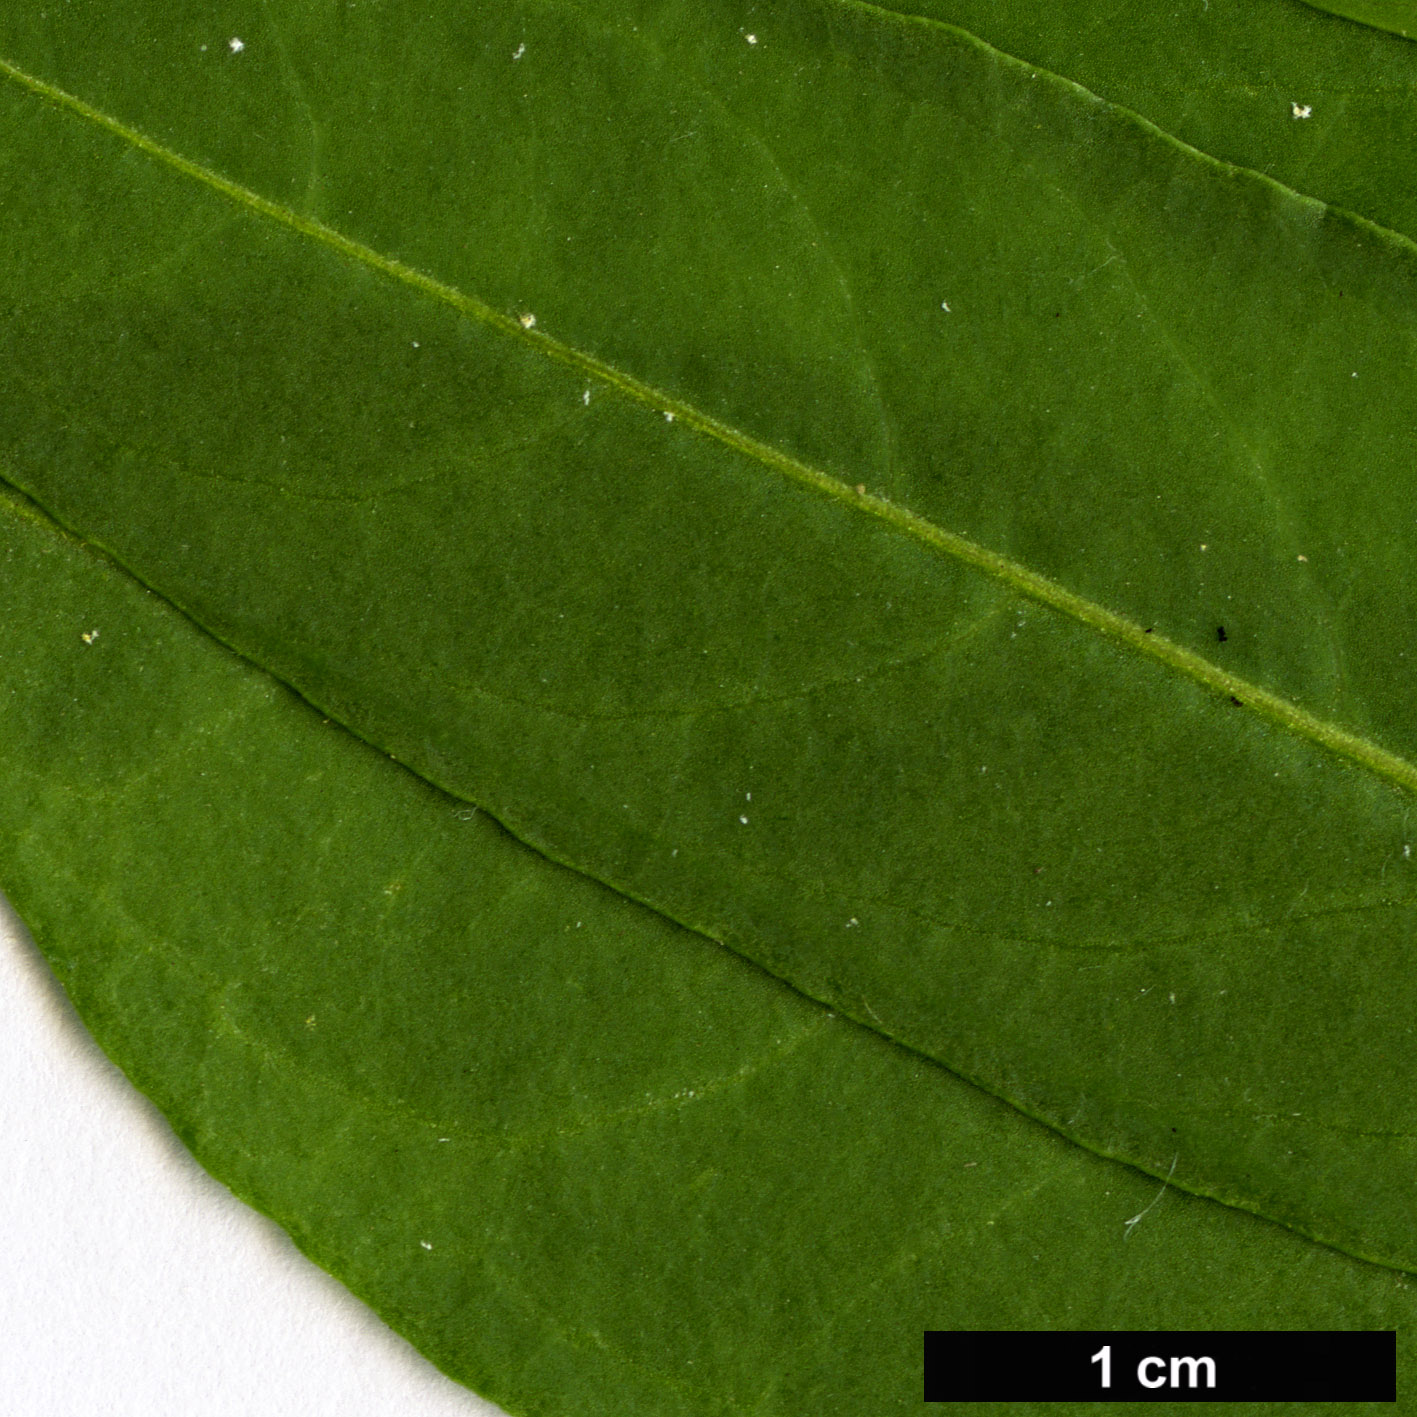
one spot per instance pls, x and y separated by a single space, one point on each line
1399 16
861 495
588 1161
1234 78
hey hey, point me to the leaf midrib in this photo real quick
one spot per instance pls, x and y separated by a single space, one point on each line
1111 625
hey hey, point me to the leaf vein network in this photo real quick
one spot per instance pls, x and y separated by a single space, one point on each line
1108 623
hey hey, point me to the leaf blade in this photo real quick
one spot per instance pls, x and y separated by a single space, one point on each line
845 764
694 1119
1399 16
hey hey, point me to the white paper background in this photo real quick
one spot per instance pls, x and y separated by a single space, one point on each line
131 1283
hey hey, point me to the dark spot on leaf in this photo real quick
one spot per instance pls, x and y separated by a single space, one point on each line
1236 701
1220 634
1148 630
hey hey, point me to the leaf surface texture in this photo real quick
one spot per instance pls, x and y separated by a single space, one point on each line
831 476
587 1160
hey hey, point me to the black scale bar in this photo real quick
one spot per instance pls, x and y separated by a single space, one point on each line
1161 1367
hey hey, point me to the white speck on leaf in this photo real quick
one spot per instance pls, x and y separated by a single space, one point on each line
668 417
744 820
527 320
236 45
1300 110
751 38
1136 1219
585 398
945 306
520 50
852 923
90 637
425 1244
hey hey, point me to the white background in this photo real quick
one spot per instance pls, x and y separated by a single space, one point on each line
131 1283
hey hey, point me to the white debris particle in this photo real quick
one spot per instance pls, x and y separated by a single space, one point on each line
1141 1215
585 398
945 306
236 45
527 320
1300 110
668 417
751 38
1204 546
1173 998
90 637
748 796
445 1139
425 1244
521 49
1303 558
852 923
743 820
1407 853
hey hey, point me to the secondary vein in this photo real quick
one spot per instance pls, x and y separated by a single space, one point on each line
1109 624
